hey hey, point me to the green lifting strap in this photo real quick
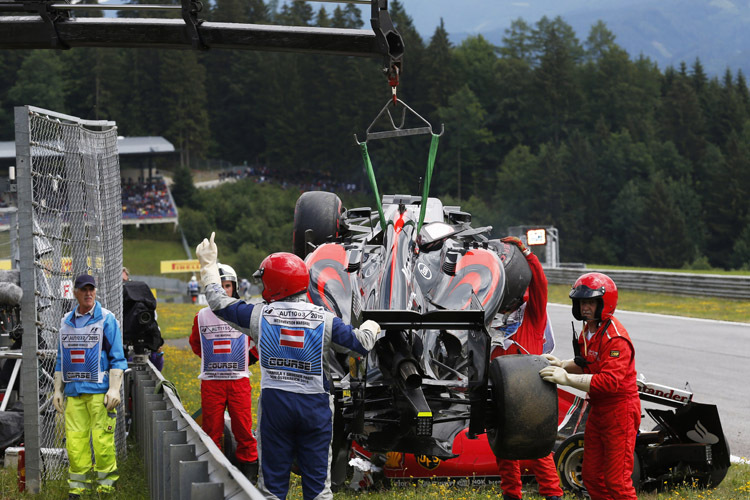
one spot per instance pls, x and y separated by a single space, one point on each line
427 179
373 183
425 190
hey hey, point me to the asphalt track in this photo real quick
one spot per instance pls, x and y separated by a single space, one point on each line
713 357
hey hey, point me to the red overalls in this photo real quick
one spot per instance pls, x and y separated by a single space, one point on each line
609 438
530 336
236 395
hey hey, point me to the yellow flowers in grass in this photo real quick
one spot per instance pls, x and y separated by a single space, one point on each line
176 320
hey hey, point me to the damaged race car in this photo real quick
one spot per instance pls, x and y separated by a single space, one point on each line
435 288
435 285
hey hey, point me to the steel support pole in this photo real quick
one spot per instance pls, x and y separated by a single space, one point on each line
30 366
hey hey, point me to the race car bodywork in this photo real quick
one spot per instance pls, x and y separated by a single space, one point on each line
435 285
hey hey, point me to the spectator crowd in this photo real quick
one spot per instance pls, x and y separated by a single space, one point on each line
146 200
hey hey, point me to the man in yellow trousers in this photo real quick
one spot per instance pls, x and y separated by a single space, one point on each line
89 368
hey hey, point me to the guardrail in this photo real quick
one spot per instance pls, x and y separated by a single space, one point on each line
709 285
182 462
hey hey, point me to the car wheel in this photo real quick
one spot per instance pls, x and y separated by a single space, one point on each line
569 463
318 211
525 407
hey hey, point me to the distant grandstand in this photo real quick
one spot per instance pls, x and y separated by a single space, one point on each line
147 202
146 198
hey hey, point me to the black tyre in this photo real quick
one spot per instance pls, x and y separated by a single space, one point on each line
569 463
318 211
525 408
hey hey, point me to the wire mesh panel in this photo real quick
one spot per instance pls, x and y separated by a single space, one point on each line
69 216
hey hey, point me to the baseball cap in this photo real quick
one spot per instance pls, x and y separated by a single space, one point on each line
83 280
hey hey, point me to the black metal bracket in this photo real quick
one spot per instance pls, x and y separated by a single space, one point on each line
50 15
45 24
389 39
190 9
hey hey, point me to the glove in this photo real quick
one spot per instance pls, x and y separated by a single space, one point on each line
58 398
553 361
554 374
207 252
112 398
559 376
371 326
371 331
512 240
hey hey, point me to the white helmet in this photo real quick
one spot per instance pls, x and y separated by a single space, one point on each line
226 273
192 278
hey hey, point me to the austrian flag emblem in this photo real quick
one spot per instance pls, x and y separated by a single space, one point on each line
292 338
77 356
222 346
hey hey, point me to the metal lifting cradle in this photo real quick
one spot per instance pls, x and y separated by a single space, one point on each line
49 24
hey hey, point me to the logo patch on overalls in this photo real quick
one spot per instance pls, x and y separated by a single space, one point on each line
614 354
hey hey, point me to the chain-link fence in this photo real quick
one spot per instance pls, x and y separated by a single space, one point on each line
69 223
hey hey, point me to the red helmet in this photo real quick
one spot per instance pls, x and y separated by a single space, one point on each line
595 286
283 275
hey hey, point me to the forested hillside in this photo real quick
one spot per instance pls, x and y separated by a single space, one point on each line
633 165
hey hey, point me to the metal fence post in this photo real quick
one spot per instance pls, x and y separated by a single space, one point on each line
178 453
191 472
162 422
29 367
207 491
170 438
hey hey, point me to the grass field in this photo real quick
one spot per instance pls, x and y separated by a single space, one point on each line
143 257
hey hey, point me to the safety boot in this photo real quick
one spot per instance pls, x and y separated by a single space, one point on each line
249 470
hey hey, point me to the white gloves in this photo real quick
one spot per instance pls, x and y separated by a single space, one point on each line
553 361
554 374
371 330
58 398
371 326
559 376
112 398
207 253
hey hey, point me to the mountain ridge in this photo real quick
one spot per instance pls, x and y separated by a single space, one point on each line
668 32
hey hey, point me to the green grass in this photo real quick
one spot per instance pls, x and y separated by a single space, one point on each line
175 319
131 486
143 257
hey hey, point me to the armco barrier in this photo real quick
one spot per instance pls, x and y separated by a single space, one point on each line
709 285
182 462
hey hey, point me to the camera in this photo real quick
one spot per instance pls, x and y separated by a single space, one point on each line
139 328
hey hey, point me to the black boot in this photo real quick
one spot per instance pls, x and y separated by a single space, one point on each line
250 470
509 497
